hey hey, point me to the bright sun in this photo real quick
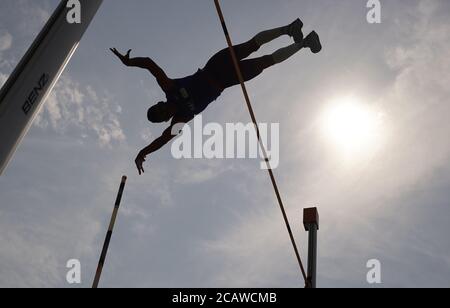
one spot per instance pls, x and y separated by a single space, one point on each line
354 128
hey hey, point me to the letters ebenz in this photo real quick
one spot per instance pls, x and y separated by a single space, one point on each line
35 93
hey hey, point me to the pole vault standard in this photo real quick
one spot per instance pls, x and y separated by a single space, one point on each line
311 223
37 73
101 262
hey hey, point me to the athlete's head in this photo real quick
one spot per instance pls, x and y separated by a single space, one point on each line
161 112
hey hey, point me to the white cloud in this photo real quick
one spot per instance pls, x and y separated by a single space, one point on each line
418 100
72 108
6 40
35 15
3 79
256 252
42 266
146 134
43 261
197 171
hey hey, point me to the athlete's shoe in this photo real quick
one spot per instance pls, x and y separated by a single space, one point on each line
313 41
295 31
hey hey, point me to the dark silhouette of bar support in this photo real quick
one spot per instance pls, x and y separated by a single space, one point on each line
101 263
311 223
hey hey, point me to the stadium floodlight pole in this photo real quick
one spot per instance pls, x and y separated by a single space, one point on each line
102 260
33 79
311 223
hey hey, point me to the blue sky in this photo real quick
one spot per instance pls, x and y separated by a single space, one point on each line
215 223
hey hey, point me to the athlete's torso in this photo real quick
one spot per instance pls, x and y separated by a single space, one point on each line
193 94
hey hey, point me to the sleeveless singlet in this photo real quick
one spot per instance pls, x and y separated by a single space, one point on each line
193 94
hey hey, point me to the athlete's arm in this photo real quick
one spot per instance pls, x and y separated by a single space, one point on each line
146 63
165 138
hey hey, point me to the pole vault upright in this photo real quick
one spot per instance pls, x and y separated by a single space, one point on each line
311 223
37 73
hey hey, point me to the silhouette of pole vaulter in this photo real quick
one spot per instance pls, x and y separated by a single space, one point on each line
189 96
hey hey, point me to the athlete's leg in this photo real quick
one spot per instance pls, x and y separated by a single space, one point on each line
294 30
312 41
285 53
251 68
221 67
244 50
254 67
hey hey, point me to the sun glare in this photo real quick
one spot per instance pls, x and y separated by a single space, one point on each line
352 127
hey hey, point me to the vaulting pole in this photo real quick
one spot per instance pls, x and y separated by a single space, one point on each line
263 149
311 223
101 263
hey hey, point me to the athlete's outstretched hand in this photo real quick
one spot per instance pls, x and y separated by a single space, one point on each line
140 159
124 58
